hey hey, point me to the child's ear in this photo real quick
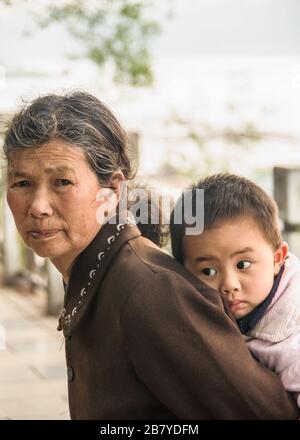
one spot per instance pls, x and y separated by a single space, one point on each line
280 256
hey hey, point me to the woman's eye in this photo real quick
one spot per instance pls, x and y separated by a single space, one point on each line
63 182
21 184
243 264
209 272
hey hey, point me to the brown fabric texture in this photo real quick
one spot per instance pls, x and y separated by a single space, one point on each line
147 340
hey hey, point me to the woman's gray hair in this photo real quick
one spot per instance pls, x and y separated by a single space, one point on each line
79 119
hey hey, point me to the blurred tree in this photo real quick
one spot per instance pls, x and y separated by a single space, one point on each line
116 31
234 143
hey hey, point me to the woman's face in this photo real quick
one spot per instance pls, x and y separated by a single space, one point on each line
52 195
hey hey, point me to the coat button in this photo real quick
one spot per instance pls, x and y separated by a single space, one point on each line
70 373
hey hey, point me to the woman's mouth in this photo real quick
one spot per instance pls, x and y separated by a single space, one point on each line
42 235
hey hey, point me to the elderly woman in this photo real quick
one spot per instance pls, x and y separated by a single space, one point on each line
144 338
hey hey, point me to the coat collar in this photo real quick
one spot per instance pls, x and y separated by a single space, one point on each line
90 268
248 322
282 318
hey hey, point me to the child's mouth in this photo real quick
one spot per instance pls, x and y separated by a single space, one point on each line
236 305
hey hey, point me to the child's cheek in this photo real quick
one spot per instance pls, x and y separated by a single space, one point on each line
257 288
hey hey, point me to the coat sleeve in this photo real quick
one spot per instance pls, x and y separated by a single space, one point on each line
192 357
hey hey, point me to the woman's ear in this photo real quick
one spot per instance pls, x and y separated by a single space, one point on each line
108 197
280 256
116 184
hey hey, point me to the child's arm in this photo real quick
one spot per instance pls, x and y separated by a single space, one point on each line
282 357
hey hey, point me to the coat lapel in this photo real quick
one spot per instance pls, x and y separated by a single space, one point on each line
90 269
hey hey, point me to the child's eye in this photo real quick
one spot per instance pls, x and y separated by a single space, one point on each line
243 264
209 272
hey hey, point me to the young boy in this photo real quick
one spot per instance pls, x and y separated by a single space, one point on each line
241 254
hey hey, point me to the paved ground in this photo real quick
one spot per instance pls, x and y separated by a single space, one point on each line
33 383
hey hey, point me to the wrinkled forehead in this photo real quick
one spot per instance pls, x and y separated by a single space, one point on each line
53 154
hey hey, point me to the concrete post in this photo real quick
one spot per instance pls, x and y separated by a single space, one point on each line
287 196
133 148
11 246
55 290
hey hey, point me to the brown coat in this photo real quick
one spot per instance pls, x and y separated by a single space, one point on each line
147 340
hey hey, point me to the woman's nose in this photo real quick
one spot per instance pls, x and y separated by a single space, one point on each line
40 204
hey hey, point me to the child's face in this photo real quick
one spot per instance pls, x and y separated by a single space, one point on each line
237 260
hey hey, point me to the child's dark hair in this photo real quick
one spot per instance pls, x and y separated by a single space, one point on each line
228 196
158 232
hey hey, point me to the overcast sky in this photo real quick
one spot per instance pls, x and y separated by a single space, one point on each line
262 90
239 26
197 26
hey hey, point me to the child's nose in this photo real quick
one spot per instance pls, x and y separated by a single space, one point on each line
230 284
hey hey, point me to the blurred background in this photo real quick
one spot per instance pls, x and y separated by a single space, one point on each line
201 86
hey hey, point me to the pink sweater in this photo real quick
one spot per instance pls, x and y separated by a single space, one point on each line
275 340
